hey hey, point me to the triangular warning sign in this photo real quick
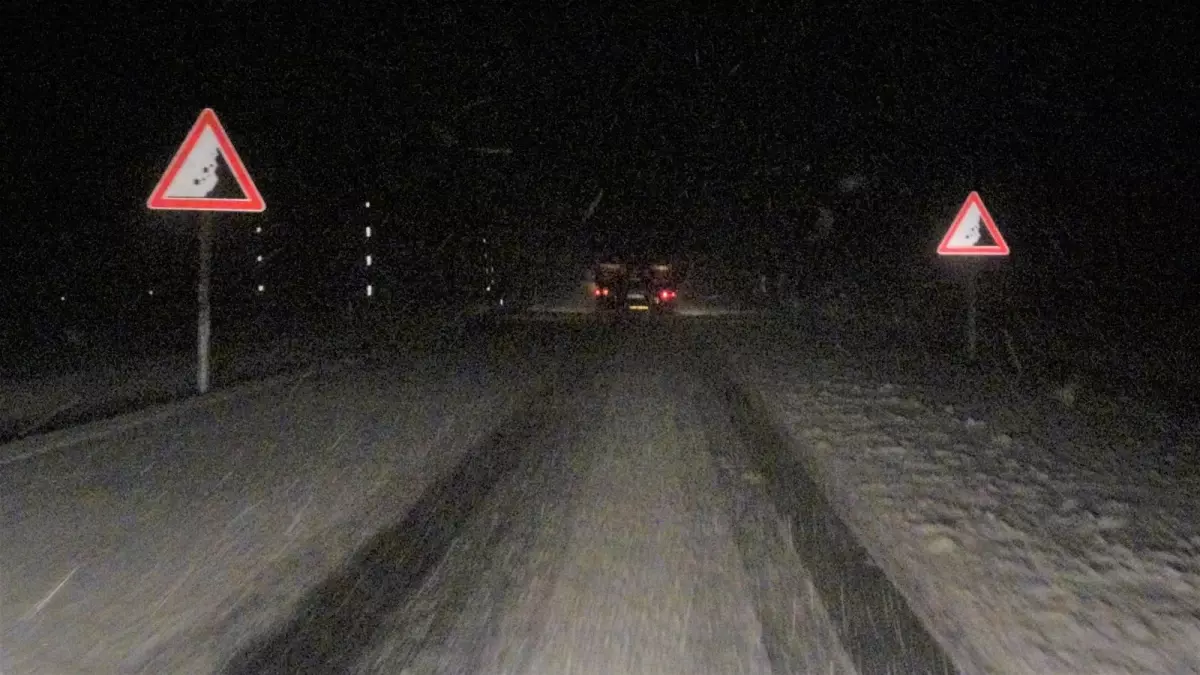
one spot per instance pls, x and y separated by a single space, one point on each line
204 167
964 234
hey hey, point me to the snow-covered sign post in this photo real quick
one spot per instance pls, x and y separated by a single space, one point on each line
965 238
197 180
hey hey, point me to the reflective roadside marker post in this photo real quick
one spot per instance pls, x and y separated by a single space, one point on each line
963 240
205 161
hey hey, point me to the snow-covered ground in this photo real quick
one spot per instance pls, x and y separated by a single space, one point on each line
164 542
36 403
1037 535
329 520
69 390
1029 536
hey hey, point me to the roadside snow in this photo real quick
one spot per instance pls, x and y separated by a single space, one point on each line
1043 561
28 405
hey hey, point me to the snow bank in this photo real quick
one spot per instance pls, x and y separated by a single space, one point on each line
1048 562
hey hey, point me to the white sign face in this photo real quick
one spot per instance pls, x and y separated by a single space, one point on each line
198 175
968 231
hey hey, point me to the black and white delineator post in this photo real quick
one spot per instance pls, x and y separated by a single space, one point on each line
200 164
963 239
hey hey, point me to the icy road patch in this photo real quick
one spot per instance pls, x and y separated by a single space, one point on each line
1042 561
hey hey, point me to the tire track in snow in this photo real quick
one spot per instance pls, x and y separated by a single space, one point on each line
648 577
340 620
798 634
877 627
507 552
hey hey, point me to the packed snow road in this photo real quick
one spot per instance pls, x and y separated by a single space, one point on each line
553 497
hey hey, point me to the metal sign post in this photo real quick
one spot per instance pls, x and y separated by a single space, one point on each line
203 287
972 312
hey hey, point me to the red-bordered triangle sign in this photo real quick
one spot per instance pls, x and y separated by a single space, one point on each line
193 175
964 234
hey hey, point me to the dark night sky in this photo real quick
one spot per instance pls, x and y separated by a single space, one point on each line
1076 122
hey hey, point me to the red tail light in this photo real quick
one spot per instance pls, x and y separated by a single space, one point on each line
601 291
666 294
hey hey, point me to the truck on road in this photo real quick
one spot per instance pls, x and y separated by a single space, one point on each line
634 286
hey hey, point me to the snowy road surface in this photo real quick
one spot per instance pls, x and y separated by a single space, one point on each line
555 496
495 508
160 546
